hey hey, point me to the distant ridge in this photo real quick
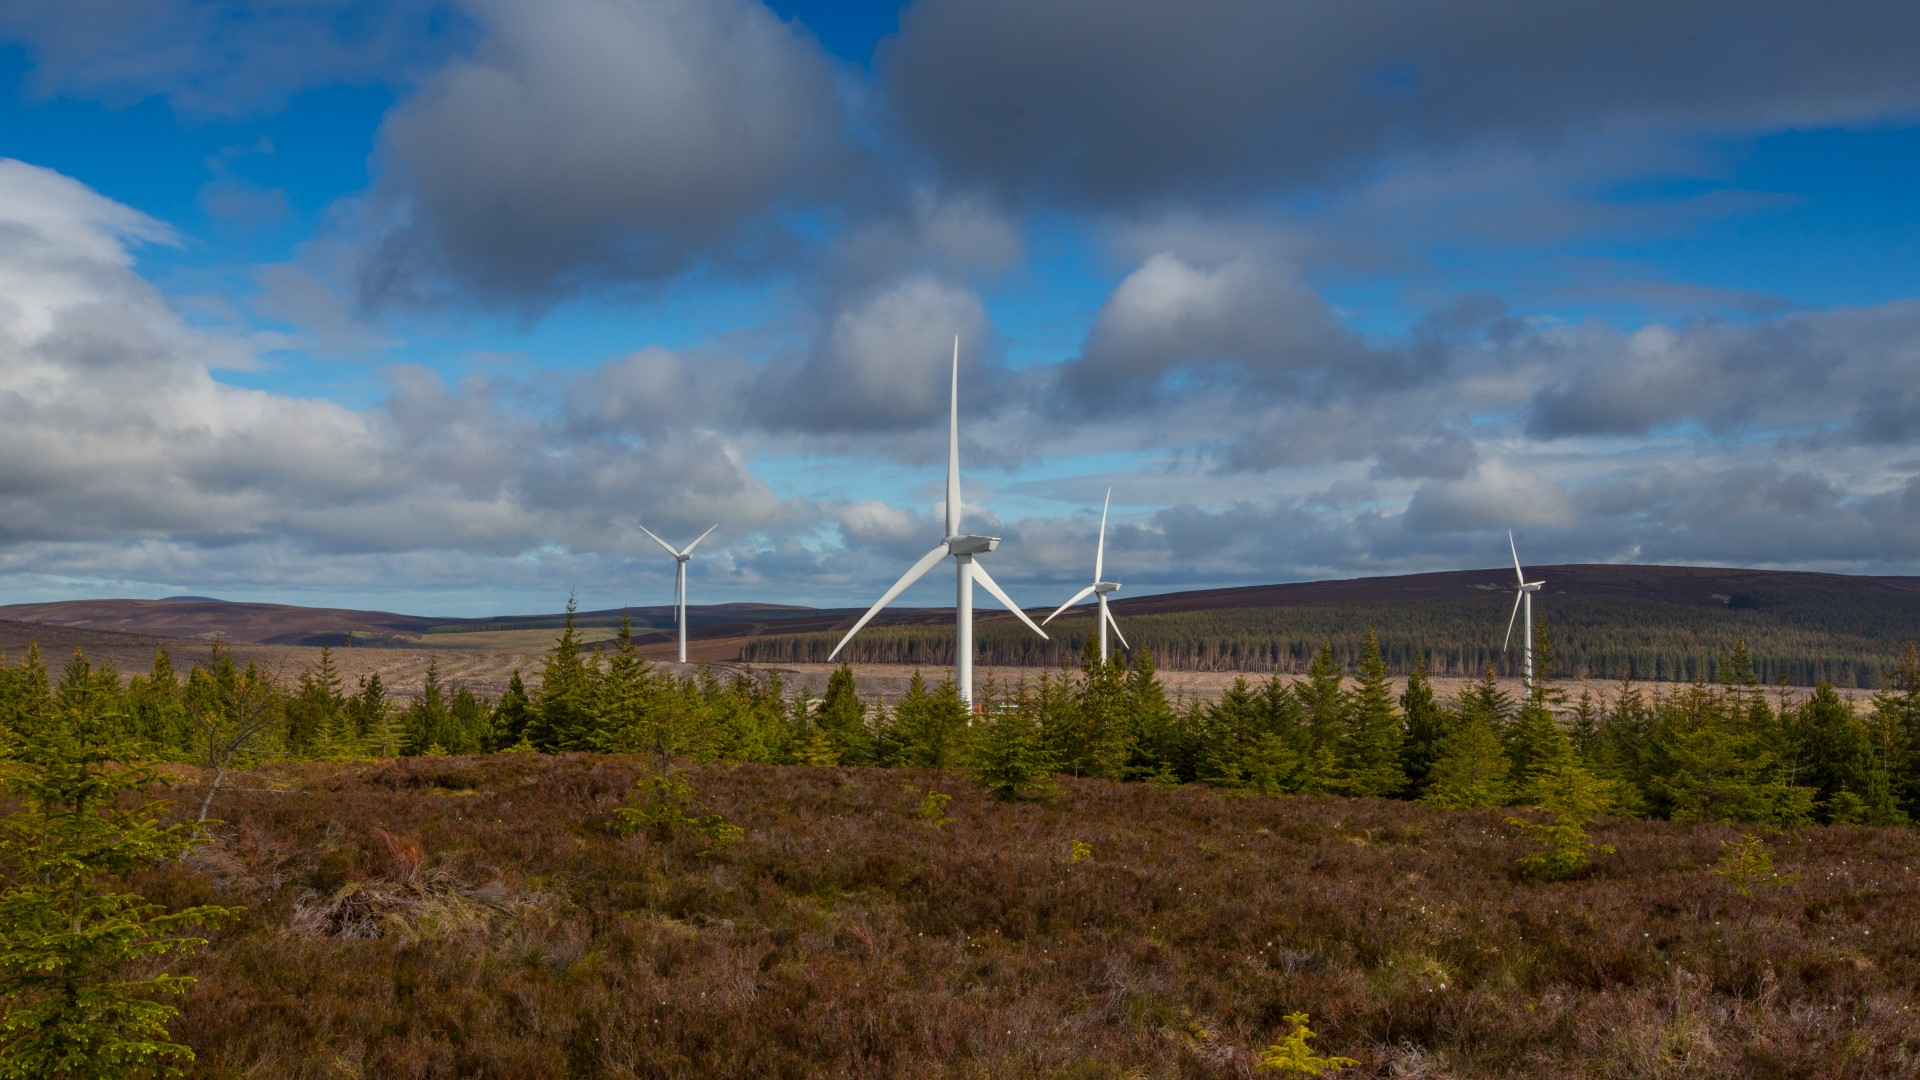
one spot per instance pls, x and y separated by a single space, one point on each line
199 599
1653 622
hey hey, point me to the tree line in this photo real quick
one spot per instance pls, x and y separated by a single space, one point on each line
1731 749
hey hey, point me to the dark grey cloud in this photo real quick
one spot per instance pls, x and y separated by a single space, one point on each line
222 58
1116 102
598 141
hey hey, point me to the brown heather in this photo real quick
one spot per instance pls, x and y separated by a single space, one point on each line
474 917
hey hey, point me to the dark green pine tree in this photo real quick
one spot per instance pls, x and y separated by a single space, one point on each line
625 698
1094 742
159 716
1723 771
470 723
929 728
78 947
1230 737
1472 769
1837 760
1008 755
1323 709
1896 710
313 715
842 719
1159 747
1538 749
512 714
1426 728
563 713
424 724
1368 753
25 695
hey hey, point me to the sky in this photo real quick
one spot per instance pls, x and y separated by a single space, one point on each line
426 306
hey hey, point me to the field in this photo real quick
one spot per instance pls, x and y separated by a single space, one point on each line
473 917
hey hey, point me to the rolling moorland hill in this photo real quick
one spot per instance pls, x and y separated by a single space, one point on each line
447 916
1607 622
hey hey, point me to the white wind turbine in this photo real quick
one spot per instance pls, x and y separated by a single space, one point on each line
1522 598
1099 588
680 559
963 548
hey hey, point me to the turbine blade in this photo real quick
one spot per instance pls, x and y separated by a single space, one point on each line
953 447
696 543
1518 574
1115 623
1517 597
918 571
1077 597
659 541
980 575
1100 549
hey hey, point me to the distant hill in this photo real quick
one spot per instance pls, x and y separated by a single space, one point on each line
1651 622
286 624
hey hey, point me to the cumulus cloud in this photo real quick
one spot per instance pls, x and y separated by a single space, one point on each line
598 141
882 362
1171 327
120 443
1122 103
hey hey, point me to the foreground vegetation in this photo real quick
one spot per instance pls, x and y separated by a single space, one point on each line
449 916
614 872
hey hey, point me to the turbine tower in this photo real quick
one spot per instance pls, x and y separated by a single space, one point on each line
680 580
1522 598
1099 588
963 548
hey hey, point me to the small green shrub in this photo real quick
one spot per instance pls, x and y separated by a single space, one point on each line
669 808
1748 865
1293 1055
933 810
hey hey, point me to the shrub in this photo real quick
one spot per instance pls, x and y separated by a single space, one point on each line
669 807
1292 1055
1748 864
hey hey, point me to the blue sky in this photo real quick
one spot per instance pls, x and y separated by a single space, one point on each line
423 305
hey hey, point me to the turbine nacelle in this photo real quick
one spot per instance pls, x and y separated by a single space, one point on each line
1104 587
971 545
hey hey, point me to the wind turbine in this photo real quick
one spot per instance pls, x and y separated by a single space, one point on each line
680 580
1099 588
963 548
1522 598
